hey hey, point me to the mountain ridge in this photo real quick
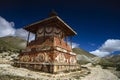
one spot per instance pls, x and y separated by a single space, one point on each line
83 56
11 43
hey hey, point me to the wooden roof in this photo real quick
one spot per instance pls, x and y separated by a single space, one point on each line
57 21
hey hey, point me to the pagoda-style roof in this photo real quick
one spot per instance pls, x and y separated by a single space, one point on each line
57 21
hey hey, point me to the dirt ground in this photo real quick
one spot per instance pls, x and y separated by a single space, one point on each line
96 73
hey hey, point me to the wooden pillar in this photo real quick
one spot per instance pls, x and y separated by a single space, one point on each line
66 40
35 36
28 38
61 37
71 42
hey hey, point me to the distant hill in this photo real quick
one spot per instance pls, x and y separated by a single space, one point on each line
83 52
113 58
11 43
83 56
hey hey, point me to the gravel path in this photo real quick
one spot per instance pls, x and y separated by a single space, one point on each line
97 73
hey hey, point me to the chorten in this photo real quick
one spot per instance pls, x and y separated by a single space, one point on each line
50 51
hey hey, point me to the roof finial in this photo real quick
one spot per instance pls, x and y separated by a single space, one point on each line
53 13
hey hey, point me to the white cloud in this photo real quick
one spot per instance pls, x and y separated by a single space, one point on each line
74 45
6 28
24 34
100 53
110 46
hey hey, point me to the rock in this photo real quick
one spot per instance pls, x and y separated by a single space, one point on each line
0 56
3 60
88 65
8 56
5 54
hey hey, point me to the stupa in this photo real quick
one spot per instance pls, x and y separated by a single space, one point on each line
50 51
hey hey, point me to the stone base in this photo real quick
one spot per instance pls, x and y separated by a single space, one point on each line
49 68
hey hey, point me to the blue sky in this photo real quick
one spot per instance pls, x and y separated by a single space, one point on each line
97 22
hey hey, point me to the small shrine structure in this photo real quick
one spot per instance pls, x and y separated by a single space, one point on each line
50 51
